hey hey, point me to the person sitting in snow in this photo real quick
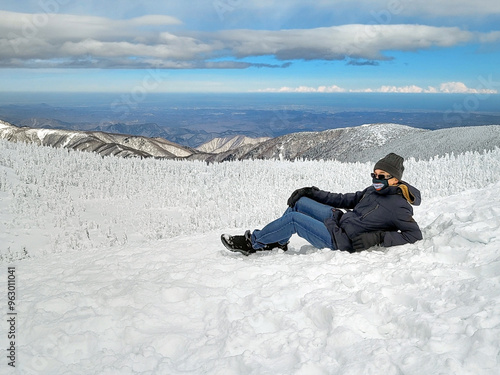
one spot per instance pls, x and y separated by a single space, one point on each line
379 215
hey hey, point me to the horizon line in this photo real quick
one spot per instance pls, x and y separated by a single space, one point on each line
257 92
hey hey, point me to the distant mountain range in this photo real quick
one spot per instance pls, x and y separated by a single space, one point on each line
354 144
193 121
102 143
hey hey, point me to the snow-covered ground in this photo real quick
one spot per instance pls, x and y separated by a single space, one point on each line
119 270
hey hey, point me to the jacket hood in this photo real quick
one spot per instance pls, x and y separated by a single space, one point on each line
411 193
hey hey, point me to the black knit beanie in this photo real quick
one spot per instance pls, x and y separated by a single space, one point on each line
392 164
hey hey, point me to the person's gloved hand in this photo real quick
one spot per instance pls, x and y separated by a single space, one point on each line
299 193
366 240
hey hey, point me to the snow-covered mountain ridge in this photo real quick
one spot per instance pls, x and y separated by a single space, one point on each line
102 143
120 269
218 145
335 144
362 143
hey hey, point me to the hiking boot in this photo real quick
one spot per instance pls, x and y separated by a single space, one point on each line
275 245
240 244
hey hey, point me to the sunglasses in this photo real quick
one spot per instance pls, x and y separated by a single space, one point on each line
381 176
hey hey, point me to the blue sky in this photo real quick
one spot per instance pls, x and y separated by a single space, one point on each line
416 46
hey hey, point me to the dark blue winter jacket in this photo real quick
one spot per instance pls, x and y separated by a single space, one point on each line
388 210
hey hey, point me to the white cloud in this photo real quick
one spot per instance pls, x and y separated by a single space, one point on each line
338 42
446 8
444 88
491 37
412 89
461 88
306 89
61 40
382 8
56 27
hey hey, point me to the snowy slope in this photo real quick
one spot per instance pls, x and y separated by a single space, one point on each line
218 145
336 144
120 270
425 145
331 144
366 143
102 143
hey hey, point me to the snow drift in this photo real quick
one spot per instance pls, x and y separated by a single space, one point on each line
120 270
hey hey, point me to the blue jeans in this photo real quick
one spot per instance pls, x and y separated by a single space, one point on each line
305 218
